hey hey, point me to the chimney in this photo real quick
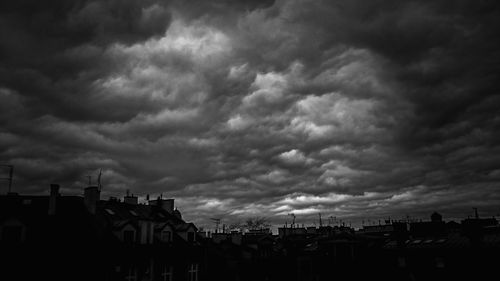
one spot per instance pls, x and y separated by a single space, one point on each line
476 214
54 193
165 204
131 199
91 196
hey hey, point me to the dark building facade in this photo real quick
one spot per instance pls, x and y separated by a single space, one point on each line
84 238
58 237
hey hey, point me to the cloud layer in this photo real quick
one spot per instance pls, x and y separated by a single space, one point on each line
345 108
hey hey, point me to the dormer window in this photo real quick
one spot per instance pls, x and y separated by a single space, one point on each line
129 236
191 237
166 236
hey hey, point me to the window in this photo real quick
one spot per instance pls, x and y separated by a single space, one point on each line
133 213
401 262
131 274
12 233
166 236
129 236
110 211
193 272
439 262
190 237
167 273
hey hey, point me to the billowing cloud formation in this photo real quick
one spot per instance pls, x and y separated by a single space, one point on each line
352 109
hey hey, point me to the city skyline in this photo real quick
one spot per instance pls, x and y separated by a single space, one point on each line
240 109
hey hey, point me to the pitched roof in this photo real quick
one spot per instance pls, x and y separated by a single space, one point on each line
119 211
184 227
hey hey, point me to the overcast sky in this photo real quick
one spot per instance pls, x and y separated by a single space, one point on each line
348 108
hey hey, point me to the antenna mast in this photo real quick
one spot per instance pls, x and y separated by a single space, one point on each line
217 223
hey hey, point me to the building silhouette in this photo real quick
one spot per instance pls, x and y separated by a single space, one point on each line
57 237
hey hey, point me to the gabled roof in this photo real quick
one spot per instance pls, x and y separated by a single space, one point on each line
161 226
184 227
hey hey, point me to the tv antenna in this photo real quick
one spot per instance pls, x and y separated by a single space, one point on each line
11 173
320 221
217 223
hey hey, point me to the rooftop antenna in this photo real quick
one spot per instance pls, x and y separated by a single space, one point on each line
217 222
320 222
90 179
293 219
11 172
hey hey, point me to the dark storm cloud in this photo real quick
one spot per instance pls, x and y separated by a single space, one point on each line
239 108
51 52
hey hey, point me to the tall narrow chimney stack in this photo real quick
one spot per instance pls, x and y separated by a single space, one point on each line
54 193
91 196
